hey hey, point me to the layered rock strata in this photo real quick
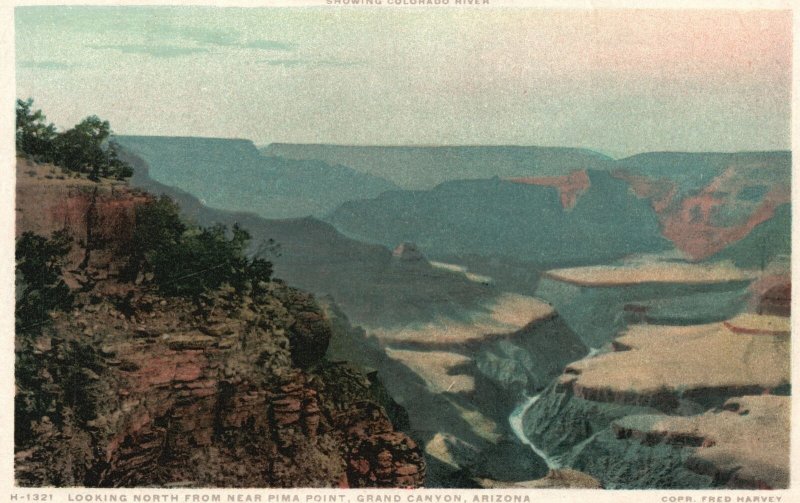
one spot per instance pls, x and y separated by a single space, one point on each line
230 389
647 414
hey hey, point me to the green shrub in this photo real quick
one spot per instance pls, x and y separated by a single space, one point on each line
188 260
86 148
55 384
34 136
40 285
40 290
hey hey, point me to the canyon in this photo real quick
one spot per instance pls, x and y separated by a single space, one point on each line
628 418
579 322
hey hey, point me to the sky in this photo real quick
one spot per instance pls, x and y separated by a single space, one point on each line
616 81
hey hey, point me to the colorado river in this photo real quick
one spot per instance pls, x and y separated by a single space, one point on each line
515 421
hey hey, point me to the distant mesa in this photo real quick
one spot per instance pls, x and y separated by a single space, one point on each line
408 252
424 167
496 217
650 272
232 174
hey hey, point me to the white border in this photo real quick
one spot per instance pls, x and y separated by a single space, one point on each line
7 183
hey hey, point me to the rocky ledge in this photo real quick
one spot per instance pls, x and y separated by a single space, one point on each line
564 478
674 407
229 389
658 366
211 398
746 443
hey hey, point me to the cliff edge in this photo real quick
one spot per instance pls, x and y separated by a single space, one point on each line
130 387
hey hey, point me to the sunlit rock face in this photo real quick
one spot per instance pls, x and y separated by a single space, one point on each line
599 302
675 407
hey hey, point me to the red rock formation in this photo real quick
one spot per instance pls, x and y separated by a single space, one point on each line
570 187
689 221
691 228
660 192
217 392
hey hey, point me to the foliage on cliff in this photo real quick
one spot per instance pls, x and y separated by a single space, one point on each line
40 284
85 148
50 381
151 351
186 260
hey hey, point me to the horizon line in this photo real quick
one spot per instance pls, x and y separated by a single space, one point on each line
460 145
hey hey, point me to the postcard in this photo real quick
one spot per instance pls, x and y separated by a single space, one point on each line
388 251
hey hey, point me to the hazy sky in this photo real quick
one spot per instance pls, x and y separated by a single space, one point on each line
620 82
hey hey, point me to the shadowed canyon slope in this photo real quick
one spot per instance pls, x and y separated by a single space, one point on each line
502 218
599 302
232 174
366 280
459 381
419 167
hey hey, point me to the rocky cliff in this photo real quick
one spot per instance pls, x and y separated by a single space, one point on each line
460 381
132 388
98 215
599 302
648 413
744 444
706 202
525 361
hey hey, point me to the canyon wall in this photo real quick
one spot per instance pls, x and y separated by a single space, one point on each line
131 388
675 407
